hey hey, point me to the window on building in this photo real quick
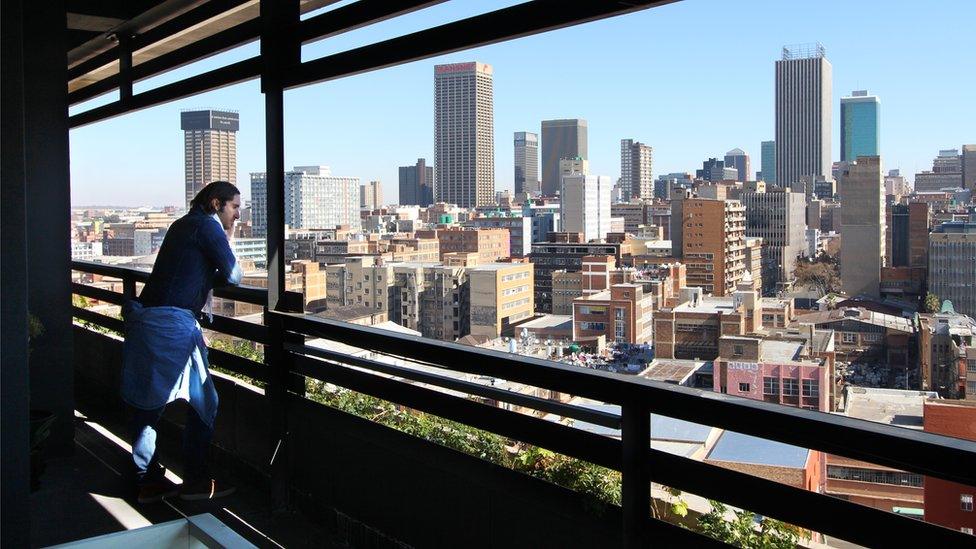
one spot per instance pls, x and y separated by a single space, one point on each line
872 337
737 350
966 502
744 388
811 388
790 387
966 530
770 386
971 366
848 337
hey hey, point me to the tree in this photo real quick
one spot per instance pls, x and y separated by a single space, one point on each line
932 303
822 275
747 529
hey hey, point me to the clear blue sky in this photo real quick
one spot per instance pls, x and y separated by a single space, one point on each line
692 79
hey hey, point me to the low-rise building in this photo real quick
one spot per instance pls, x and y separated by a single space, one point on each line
501 295
774 371
622 314
945 340
950 504
861 335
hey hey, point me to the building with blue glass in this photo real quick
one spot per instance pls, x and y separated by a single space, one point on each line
859 126
768 162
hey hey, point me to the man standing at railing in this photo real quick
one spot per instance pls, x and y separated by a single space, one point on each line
165 354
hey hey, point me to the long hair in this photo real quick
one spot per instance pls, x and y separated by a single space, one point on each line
221 190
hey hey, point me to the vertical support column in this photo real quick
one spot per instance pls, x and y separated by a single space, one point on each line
125 67
49 220
14 376
279 50
636 475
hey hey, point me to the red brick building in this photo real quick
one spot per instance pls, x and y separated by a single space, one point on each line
948 503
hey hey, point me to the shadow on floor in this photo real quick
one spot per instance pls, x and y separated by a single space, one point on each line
88 494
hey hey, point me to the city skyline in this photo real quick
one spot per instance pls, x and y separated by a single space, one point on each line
667 119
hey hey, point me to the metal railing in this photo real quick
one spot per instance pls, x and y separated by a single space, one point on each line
913 451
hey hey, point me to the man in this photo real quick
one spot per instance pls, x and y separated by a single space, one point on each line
165 355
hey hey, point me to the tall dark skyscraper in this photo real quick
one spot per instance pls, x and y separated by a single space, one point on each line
464 134
969 167
738 159
209 148
803 114
526 163
560 139
417 184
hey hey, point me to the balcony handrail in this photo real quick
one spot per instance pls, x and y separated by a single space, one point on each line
896 447
919 452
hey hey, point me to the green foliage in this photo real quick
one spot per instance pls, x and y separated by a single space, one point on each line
932 303
747 529
599 483
244 349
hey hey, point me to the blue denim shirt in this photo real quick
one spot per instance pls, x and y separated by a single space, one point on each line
195 256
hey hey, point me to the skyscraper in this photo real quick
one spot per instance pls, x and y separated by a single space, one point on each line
371 195
738 159
209 148
526 163
464 135
946 172
768 162
862 211
714 169
969 167
584 205
560 139
803 113
417 184
859 125
952 264
711 241
636 164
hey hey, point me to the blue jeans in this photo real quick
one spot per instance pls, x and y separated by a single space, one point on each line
196 439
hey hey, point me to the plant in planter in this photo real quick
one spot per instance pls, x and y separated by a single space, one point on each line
40 420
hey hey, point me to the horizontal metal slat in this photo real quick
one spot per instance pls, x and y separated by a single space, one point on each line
816 512
110 270
594 384
101 294
99 319
595 417
589 447
238 328
237 364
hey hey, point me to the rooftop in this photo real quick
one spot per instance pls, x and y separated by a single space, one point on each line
739 448
548 321
672 370
780 351
891 406
858 314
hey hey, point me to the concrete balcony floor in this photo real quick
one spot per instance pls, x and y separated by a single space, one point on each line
86 495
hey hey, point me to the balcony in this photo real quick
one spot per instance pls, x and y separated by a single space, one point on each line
312 471
385 484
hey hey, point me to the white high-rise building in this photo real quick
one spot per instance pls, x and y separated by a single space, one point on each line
584 205
636 163
209 148
314 199
464 138
803 114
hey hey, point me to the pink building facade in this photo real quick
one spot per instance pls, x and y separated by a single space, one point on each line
800 384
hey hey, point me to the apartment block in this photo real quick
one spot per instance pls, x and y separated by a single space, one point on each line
952 265
772 371
548 257
621 314
501 294
712 243
490 244
779 218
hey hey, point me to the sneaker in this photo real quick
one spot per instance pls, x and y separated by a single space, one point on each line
205 489
154 491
